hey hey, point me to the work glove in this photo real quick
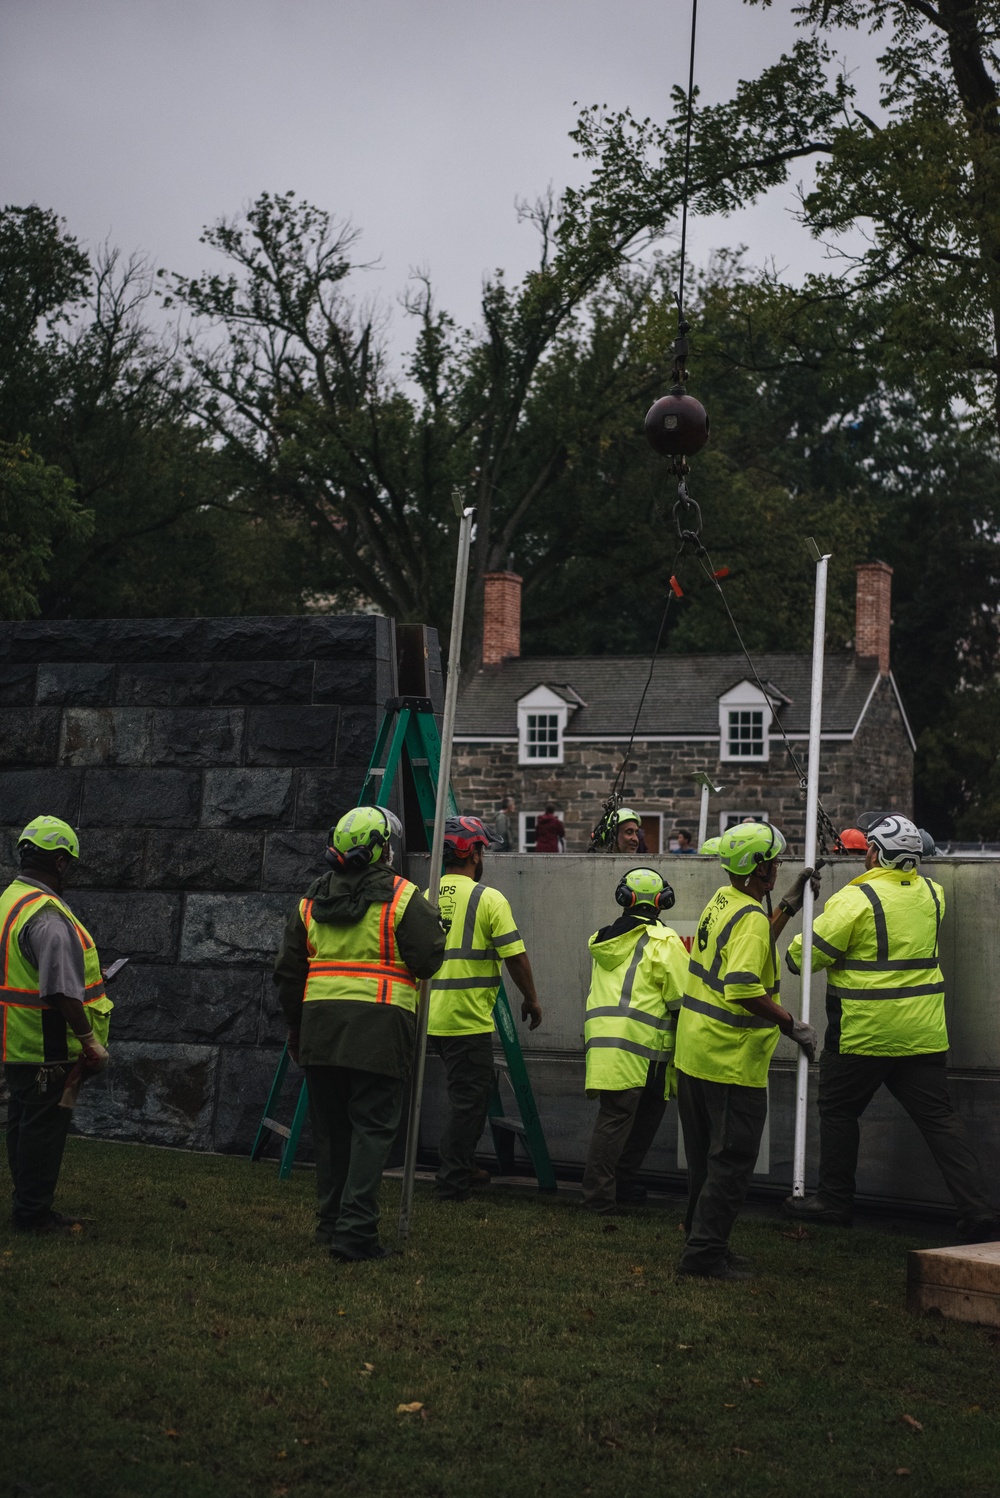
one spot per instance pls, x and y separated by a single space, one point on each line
804 1036
792 901
95 1056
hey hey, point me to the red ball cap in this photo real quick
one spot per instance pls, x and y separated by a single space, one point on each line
677 425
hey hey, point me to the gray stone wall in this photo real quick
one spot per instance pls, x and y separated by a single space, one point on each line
874 769
202 761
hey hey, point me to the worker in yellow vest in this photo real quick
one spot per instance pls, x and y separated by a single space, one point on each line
636 986
726 1034
351 955
54 1013
878 940
481 933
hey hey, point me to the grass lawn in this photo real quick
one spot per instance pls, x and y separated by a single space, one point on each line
196 1342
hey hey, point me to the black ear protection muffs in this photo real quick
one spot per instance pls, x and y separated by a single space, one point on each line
360 857
626 897
760 858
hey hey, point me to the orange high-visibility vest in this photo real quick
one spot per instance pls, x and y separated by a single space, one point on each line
360 961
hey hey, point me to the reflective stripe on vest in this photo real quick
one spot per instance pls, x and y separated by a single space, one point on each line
885 1004
718 1039
359 961
33 1032
627 1012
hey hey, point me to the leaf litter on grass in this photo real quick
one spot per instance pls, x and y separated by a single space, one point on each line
483 1344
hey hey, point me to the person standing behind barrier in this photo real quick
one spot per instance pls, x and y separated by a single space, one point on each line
347 973
636 986
505 825
550 834
480 931
878 939
54 1011
628 832
726 1034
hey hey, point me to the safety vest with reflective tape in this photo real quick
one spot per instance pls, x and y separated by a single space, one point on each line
34 1032
878 937
360 961
480 932
732 957
636 986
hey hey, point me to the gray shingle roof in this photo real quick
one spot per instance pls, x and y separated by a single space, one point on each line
682 697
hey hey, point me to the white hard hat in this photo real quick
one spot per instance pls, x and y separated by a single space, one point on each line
898 842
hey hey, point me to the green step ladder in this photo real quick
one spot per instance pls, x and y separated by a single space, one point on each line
409 729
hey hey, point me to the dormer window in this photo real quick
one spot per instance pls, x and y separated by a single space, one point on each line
541 724
745 715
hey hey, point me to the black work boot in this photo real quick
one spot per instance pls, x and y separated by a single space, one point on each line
724 1270
815 1209
979 1229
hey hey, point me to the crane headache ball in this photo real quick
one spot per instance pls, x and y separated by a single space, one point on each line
677 425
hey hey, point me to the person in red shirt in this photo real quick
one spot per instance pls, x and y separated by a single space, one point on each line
550 834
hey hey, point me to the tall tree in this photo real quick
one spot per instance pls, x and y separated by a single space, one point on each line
298 386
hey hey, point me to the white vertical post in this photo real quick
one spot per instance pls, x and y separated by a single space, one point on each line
437 850
703 818
809 857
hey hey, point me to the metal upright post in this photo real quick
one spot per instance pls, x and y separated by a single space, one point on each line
809 856
466 517
708 788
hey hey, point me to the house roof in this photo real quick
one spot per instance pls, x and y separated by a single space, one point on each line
683 696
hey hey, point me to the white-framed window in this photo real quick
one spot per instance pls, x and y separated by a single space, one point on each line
729 819
541 724
744 723
526 829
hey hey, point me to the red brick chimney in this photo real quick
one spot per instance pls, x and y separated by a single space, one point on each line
873 619
501 617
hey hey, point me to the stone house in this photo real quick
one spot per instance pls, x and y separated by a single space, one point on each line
556 728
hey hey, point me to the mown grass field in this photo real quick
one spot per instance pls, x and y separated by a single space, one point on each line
196 1342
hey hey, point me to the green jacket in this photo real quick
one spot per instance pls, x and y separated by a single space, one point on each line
878 939
354 1033
636 986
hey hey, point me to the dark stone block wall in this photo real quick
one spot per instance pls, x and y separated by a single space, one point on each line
203 761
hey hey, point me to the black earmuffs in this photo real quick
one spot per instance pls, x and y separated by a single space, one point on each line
663 900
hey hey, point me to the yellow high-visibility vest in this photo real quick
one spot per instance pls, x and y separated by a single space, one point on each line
732 957
636 986
878 938
480 933
360 961
29 1034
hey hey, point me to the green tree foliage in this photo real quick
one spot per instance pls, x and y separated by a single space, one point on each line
106 403
315 423
37 507
917 292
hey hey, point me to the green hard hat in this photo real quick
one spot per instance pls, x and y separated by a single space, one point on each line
710 847
626 814
52 835
644 887
743 847
361 836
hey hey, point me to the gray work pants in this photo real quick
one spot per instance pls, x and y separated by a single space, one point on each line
847 1085
468 1068
626 1126
355 1117
722 1124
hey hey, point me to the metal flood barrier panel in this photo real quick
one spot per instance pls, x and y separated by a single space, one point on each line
559 900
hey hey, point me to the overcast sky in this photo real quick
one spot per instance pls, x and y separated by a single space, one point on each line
422 121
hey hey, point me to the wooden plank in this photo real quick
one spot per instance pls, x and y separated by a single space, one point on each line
962 1283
